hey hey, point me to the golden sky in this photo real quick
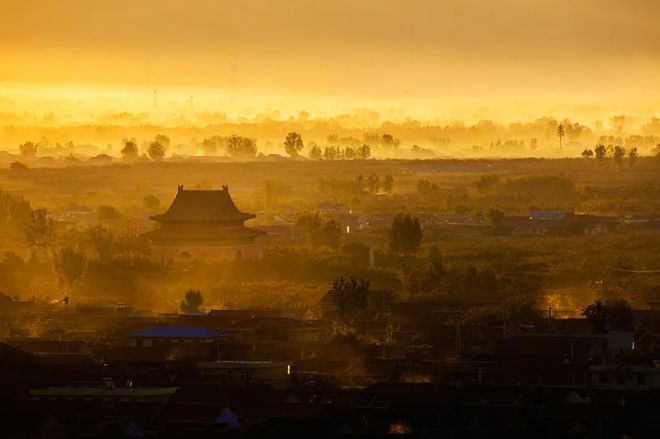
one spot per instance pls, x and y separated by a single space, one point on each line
405 52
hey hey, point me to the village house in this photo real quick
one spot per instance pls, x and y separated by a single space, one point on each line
247 373
175 334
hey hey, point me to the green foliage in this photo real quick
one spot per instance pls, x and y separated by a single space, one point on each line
405 233
192 301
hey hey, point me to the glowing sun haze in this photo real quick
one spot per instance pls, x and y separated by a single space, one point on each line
426 58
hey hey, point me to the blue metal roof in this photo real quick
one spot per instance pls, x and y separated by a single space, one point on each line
179 332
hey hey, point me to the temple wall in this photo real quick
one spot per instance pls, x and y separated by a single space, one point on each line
229 252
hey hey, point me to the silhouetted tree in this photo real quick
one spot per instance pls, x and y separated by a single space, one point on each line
318 232
108 213
130 150
601 152
632 156
163 140
587 153
494 216
18 167
293 144
487 182
435 268
102 241
388 141
39 229
28 149
192 301
349 295
388 184
331 153
405 234
373 183
210 145
156 151
241 147
332 234
348 153
618 155
70 267
364 151
609 315
560 133
315 153
270 192
150 202
425 187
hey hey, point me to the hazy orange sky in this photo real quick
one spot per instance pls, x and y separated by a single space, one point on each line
431 53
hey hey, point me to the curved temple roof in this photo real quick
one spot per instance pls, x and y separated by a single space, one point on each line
202 206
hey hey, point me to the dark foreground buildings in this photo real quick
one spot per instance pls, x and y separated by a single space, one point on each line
418 370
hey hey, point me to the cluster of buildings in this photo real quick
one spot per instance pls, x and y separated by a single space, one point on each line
206 224
537 223
393 367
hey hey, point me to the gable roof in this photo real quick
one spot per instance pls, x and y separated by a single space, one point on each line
202 205
178 332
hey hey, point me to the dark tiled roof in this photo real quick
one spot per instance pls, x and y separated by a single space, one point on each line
202 206
178 332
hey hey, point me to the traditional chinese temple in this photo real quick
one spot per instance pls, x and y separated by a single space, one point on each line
203 224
